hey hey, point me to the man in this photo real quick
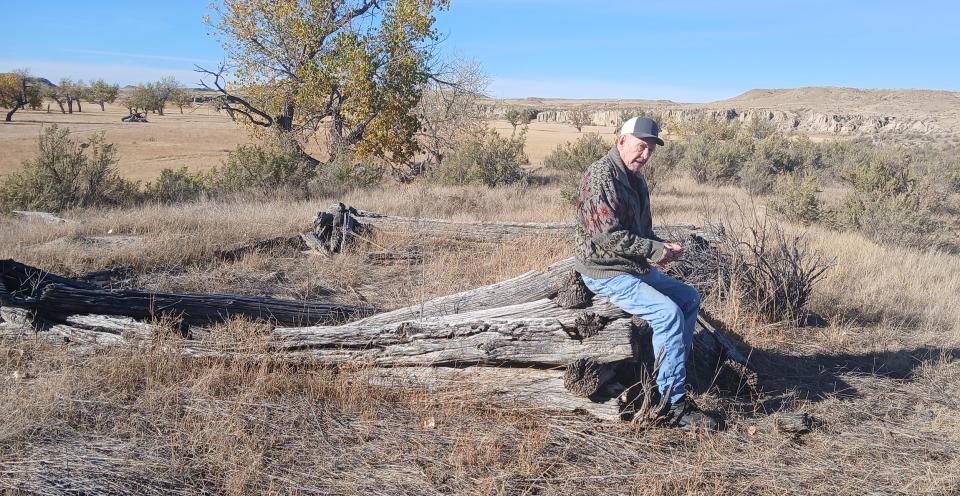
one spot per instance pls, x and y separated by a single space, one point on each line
615 249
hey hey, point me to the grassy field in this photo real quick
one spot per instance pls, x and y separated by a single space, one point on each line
881 374
197 139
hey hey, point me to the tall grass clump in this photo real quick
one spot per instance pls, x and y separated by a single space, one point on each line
486 159
67 173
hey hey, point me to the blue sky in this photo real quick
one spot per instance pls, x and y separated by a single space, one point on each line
684 51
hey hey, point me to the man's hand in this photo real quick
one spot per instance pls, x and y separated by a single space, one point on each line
671 253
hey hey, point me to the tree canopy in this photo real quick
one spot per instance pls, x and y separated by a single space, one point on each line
352 69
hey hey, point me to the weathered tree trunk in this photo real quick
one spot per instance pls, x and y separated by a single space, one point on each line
56 298
340 220
530 388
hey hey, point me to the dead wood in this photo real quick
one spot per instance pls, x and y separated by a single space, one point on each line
531 388
45 217
335 226
295 242
56 298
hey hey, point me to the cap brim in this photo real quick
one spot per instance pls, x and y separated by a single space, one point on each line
656 139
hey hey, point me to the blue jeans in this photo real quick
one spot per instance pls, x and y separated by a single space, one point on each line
669 306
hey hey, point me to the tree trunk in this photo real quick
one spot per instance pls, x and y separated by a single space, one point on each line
69 105
10 114
79 108
57 298
340 220
102 108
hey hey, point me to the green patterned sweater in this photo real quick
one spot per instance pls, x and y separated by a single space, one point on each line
614 231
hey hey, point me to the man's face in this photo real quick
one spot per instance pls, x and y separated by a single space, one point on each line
635 151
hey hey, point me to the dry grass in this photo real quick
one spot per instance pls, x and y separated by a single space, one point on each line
882 374
199 139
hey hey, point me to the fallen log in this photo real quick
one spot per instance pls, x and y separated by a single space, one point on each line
523 323
530 388
45 217
237 251
56 298
531 335
498 231
335 226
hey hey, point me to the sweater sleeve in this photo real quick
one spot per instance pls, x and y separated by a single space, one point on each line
602 222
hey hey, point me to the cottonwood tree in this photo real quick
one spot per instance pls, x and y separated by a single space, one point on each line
101 93
182 97
56 94
17 91
65 90
448 111
580 117
161 92
77 91
12 91
352 68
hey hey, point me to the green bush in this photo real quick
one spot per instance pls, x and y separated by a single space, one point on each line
573 157
67 174
891 219
176 186
882 171
953 174
713 160
795 199
666 160
262 168
488 159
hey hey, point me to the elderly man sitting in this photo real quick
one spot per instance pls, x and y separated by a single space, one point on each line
615 247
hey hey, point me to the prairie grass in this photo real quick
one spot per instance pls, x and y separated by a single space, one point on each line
881 373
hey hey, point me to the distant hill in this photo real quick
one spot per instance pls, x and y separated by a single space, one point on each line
917 103
908 115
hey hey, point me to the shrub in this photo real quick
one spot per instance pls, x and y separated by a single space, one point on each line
580 117
795 199
952 172
712 160
899 219
883 171
488 159
176 186
67 174
666 160
573 157
757 265
262 168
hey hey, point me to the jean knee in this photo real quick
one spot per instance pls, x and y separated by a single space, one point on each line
670 320
690 299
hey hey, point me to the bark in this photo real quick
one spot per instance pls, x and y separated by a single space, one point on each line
526 387
12 111
56 298
328 223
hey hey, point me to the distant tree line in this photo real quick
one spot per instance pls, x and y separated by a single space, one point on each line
19 90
